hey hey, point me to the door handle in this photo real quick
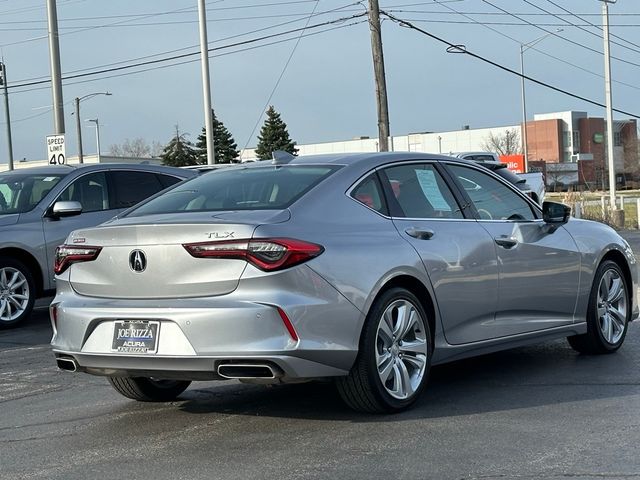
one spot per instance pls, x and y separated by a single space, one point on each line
420 234
506 242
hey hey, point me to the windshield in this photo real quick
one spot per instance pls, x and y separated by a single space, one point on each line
20 193
257 188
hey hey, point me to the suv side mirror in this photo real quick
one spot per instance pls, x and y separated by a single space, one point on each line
65 208
553 212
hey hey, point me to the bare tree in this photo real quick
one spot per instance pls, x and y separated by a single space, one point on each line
507 143
138 148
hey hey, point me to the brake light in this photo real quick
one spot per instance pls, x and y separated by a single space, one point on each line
69 254
268 254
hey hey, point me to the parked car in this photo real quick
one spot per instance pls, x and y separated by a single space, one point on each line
532 184
39 207
366 268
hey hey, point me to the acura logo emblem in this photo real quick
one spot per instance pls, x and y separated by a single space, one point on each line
138 261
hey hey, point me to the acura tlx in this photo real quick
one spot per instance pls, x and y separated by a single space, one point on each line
366 269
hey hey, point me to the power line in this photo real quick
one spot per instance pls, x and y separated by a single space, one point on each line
593 24
507 24
284 69
515 40
411 26
184 62
635 50
343 8
16 85
551 32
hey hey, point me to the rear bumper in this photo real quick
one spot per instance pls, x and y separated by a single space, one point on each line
286 367
196 335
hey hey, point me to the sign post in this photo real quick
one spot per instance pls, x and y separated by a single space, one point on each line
56 154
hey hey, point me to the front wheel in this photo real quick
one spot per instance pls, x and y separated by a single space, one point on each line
17 292
146 389
608 313
394 358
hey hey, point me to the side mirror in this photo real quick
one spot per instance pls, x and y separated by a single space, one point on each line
553 212
66 209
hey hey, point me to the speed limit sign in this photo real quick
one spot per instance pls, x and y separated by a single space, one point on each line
55 150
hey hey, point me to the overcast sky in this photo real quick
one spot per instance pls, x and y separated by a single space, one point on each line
327 92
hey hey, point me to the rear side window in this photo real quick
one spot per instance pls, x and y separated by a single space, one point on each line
131 187
249 188
369 193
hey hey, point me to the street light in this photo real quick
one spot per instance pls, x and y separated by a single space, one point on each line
523 48
78 127
95 120
609 102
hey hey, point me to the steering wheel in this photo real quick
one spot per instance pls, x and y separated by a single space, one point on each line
484 214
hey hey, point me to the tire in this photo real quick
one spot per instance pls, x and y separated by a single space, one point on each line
146 389
17 292
608 313
394 357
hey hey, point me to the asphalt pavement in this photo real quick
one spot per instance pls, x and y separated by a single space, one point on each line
540 412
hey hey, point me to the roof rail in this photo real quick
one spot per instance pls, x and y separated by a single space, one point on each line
281 157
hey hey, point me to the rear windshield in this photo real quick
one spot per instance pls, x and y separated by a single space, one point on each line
20 193
257 188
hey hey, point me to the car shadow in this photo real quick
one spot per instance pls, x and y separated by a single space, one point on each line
510 380
36 330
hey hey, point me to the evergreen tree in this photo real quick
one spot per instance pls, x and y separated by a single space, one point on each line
179 152
225 149
274 136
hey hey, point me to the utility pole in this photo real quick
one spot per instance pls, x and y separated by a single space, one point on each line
206 82
56 75
609 102
3 82
381 83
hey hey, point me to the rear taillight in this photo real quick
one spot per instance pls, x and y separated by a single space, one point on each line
68 254
267 254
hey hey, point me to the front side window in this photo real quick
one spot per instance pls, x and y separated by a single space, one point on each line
20 193
492 199
90 190
248 188
421 192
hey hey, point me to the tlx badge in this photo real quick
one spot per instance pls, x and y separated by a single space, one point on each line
220 234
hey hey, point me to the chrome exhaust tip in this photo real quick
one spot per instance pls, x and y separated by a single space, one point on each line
67 364
247 370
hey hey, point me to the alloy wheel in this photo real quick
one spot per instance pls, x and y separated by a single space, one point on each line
612 306
401 349
14 294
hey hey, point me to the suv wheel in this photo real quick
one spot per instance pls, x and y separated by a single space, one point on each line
17 292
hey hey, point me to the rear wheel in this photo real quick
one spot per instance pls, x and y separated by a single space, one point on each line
608 313
17 292
146 389
393 362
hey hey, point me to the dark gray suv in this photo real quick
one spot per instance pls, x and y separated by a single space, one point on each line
40 206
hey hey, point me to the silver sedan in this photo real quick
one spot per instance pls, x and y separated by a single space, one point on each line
367 269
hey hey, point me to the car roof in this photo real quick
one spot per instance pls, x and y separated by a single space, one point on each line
67 169
365 160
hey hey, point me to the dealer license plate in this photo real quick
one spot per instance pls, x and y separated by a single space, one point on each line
135 336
